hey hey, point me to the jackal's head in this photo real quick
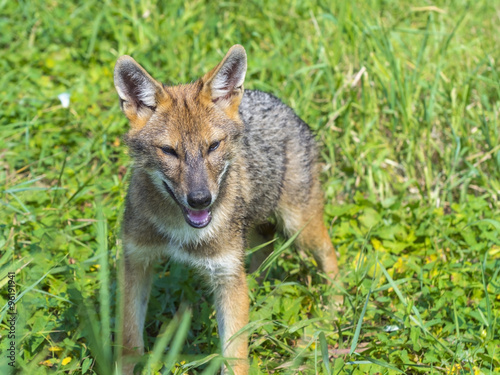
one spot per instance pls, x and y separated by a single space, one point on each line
185 136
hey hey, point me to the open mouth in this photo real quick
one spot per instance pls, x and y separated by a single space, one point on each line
196 218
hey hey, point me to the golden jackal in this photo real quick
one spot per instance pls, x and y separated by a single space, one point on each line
212 163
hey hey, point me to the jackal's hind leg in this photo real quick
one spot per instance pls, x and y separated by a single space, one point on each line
313 235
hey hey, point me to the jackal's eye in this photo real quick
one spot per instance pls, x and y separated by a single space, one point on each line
169 151
214 146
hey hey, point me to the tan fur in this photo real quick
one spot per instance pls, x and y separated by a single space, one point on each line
193 145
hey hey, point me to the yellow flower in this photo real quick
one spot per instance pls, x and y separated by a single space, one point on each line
455 369
494 251
95 267
47 363
399 266
377 245
66 360
431 258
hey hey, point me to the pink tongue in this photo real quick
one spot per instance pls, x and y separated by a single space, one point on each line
198 216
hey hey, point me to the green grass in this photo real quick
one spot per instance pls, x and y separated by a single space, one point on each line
404 98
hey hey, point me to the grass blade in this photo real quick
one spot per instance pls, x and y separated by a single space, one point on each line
324 352
360 323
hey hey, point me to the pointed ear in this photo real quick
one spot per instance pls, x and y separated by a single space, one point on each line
224 84
139 92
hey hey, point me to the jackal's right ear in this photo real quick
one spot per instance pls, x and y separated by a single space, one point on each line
139 92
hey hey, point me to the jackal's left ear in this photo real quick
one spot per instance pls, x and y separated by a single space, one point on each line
224 83
139 92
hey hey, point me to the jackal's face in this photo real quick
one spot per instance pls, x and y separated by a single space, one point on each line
185 136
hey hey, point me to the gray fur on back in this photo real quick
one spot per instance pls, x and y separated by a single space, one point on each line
278 145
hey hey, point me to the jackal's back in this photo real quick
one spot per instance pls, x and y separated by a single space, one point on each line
280 153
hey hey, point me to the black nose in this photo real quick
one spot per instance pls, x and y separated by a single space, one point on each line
199 199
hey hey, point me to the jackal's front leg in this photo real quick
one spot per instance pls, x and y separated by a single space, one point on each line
232 305
137 285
